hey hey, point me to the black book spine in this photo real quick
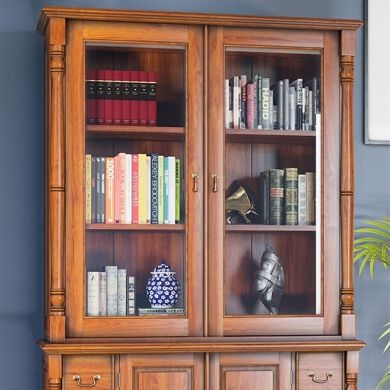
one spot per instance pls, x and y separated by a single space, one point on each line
276 196
280 98
264 196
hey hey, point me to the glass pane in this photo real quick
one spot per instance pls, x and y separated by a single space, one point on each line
135 154
273 122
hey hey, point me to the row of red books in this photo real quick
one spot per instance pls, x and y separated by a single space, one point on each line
121 97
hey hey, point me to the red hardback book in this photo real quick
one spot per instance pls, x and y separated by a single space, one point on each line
90 95
152 99
134 98
117 86
117 190
126 89
134 188
143 98
109 97
100 96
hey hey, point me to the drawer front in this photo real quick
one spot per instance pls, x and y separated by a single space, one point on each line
322 371
96 371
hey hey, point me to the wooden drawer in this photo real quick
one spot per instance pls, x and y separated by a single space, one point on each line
86 367
322 371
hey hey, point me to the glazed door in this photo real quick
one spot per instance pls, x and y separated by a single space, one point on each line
273 182
134 130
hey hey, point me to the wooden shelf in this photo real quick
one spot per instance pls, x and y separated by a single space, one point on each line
270 136
136 132
269 228
135 227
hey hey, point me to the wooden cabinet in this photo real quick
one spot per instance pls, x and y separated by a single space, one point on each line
220 333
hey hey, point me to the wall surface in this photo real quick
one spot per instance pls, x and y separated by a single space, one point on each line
21 162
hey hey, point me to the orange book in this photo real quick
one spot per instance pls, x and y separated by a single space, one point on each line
110 178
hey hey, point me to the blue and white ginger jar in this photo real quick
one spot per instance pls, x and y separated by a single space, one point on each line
162 288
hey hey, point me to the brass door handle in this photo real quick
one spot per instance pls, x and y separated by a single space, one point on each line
195 181
95 379
328 375
215 182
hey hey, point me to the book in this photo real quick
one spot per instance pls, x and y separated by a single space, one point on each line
112 289
166 189
143 98
303 108
292 104
152 98
160 187
255 99
302 199
250 105
276 196
236 102
298 85
134 188
100 96
90 95
102 294
93 190
117 190
177 190
142 188
134 98
271 109
122 187
264 197
265 103
154 188
128 178
228 110
110 179
109 97
122 292
243 83
98 187
103 190
145 311
171 190
314 86
88 196
126 96
286 108
117 96
280 104
130 295
148 189
291 196
259 104
92 293
310 198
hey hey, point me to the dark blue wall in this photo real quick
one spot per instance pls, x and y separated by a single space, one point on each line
21 162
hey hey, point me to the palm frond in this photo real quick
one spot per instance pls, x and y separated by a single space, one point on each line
385 378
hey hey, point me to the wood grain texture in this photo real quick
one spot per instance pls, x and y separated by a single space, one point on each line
54 372
193 18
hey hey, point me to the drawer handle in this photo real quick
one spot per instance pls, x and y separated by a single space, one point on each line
312 375
95 379
215 182
195 181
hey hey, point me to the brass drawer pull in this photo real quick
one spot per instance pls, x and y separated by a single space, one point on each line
95 379
195 181
215 182
312 375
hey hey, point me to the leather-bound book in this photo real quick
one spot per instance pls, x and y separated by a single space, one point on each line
143 98
117 93
100 96
90 95
126 96
152 99
109 98
134 98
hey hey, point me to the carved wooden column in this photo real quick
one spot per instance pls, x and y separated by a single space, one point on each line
54 372
352 368
347 183
351 381
56 182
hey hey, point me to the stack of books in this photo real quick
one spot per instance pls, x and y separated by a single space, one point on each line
287 197
254 104
110 293
121 97
133 189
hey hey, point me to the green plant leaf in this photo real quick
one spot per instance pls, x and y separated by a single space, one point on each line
369 239
384 379
379 224
363 263
372 264
373 231
386 347
386 332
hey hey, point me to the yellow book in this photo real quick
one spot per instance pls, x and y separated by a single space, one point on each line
88 194
142 189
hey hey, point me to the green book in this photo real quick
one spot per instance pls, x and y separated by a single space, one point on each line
276 196
177 190
160 185
291 195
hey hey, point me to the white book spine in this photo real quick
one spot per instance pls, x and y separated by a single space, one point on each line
93 294
292 100
171 190
148 189
131 295
102 294
236 102
121 292
302 207
128 177
318 122
227 104
112 290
